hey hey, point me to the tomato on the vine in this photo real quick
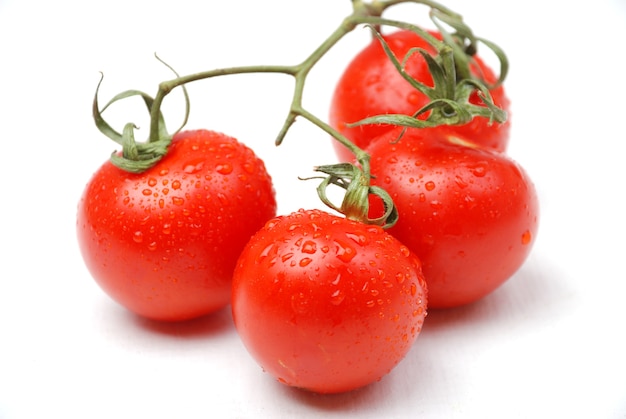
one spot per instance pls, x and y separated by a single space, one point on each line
371 85
164 242
325 303
470 214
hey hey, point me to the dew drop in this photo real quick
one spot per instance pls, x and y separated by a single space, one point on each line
299 303
460 182
167 228
309 247
414 98
152 182
137 236
400 277
264 253
370 303
344 252
249 167
152 246
359 239
224 169
176 184
405 251
305 261
337 297
222 198
147 192
194 167
479 169
177 200
413 290
430 185
527 237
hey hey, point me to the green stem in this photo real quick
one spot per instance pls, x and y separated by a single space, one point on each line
368 13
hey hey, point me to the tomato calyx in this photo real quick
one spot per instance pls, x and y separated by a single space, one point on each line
137 157
355 204
453 85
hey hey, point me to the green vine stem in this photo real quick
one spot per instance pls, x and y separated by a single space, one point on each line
453 82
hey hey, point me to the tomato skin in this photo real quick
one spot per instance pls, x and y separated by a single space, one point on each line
327 304
164 243
471 215
370 85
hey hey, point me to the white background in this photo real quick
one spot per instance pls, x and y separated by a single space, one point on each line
549 343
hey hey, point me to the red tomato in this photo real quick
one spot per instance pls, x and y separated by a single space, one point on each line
470 215
327 304
164 243
371 85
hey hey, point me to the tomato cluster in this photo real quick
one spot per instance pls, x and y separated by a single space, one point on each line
465 208
323 302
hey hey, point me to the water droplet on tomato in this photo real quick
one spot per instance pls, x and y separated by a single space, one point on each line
359 239
344 251
418 311
309 247
167 228
249 167
479 169
415 98
152 246
264 253
527 237
337 297
405 251
370 303
177 200
137 236
176 184
299 303
193 167
413 289
224 168
430 185
305 262
222 198
147 192
152 182
400 277
460 182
